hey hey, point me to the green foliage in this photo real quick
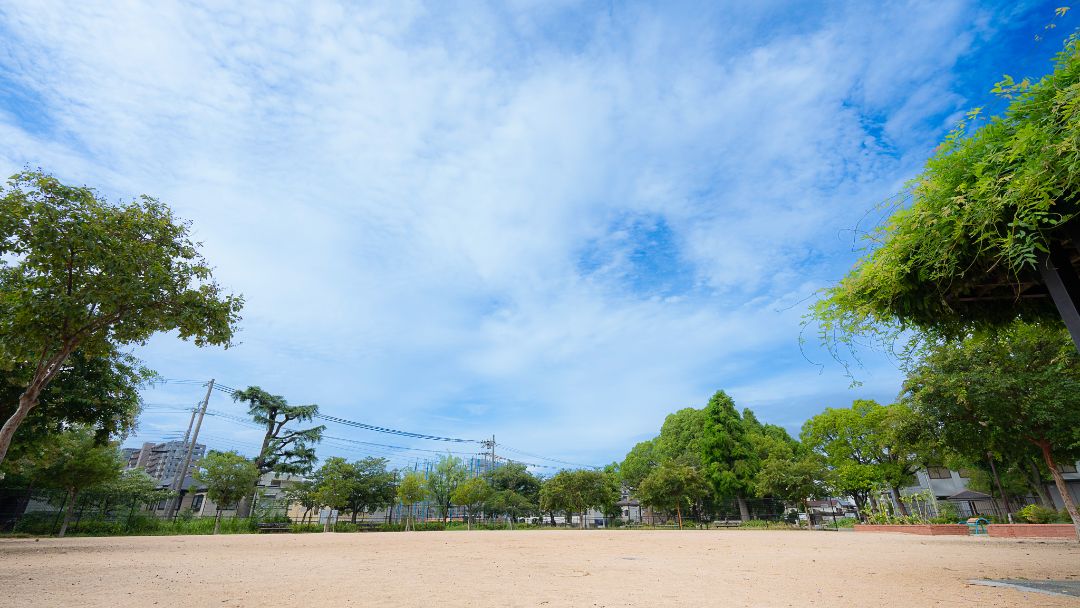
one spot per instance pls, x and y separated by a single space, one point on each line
1005 388
846 522
303 493
794 479
472 494
374 486
101 392
511 504
985 209
1038 514
73 461
228 477
756 524
638 463
448 474
131 486
412 489
284 449
334 483
995 389
864 446
515 477
729 462
79 273
578 491
672 487
680 437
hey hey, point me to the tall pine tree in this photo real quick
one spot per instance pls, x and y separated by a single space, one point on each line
729 461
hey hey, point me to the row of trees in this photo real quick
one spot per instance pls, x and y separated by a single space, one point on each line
87 471
1004 404
509 491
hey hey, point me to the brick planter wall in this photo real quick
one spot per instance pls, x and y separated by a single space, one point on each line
1032 530
923 529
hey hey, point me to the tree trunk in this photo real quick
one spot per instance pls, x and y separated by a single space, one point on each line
997 482
72 493
1035 480
860 502
27 401
678 514
217 521
551 516
744 512
809 515
468 520
354 516
42 376
1059 481
901 508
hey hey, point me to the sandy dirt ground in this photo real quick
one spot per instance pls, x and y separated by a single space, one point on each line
531 568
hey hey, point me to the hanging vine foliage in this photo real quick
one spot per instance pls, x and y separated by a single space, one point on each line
983 213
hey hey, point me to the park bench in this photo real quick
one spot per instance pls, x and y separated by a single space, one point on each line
272 527
726 524
976 525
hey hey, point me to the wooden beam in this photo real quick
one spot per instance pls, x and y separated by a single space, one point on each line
1064 286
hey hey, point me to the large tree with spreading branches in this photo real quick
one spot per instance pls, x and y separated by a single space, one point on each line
80 273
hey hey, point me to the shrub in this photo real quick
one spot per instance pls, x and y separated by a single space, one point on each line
1037 514
756 524
846 522
305 528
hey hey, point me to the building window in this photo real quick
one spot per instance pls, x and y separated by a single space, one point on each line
196 503
1066 468
939 472
966 473
275 483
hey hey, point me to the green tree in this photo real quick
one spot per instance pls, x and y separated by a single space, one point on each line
101 392
865 445
447 475
575 492
729 462
284 449
680 437
78 273
75 461
373 488
335 482
472 495
303 493
672 486
985 229
638 463
410 491
515 477
131 489
511 504
1019 385
797 479
228 478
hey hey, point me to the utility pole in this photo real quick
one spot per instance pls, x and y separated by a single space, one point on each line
178 477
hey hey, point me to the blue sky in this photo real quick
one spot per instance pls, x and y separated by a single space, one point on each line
554 222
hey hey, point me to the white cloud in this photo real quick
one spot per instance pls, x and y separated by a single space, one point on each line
403 194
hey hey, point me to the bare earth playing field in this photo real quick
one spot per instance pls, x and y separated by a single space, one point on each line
530 568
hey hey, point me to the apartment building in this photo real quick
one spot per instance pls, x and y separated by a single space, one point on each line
163 461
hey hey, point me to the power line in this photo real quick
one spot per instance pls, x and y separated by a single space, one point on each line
389 431
386 430
573 464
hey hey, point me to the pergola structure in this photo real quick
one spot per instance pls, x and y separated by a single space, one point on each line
1053 286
